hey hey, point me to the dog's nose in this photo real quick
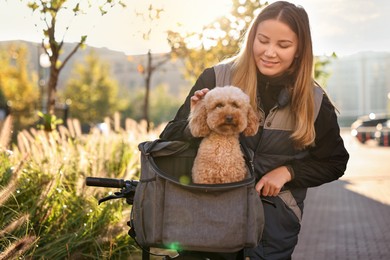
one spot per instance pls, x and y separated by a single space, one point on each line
229 119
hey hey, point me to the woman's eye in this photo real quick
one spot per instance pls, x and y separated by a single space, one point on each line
262 40
284 46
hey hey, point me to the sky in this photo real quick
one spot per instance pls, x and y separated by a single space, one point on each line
341 26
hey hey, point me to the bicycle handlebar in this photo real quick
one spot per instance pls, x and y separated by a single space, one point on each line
105 182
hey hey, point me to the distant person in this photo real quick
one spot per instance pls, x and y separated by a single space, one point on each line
298 144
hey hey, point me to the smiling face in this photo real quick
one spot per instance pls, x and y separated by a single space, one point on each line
274 48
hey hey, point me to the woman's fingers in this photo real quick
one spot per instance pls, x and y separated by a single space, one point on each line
272 182
198 95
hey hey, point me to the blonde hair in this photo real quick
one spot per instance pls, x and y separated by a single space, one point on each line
244 70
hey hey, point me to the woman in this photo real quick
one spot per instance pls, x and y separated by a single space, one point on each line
298 144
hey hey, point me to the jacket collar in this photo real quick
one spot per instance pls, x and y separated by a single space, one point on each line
276 88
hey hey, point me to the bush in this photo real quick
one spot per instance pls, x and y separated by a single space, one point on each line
47 212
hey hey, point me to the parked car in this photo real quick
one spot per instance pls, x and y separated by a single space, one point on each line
369 127
382 134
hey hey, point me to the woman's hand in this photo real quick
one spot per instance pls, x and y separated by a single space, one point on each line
272 182
198 95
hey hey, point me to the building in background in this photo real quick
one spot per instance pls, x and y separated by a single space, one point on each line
360 85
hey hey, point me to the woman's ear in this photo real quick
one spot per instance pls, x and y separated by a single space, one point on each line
198 121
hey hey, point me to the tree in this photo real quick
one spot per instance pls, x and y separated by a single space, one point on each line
217 41
320 73
17 85
50 12
153 62
92 91
147 73
164 106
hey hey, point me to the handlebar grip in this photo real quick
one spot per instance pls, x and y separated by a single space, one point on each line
105 182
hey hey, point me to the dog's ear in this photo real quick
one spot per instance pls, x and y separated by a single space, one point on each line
253 123
198 121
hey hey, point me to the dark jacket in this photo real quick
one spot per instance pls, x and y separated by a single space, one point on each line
326 161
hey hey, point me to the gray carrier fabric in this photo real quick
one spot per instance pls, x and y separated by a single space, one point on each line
171 212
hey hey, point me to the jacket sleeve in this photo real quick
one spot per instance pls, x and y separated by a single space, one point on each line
327 160
177 128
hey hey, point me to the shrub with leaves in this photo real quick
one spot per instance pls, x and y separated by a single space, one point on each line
47 211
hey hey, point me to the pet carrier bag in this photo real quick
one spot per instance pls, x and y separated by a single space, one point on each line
169 211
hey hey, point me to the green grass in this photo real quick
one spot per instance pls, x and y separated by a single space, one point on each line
47 212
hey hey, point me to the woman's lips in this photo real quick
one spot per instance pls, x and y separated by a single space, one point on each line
269 63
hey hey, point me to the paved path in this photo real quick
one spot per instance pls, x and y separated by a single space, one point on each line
350 218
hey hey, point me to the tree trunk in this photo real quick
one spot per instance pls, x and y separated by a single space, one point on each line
52 90
147 90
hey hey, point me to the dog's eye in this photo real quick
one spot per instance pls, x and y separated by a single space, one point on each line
219 105
235 105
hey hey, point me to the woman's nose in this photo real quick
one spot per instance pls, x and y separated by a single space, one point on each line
270 52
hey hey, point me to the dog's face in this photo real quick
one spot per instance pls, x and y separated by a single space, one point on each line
226 111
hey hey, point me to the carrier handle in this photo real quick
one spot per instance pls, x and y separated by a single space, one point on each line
105 182
152 147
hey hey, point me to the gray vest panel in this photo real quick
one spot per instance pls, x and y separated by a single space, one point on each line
275 147
222 74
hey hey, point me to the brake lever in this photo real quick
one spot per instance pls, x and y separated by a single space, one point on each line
117 195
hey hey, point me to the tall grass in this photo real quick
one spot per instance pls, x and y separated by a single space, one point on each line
47 212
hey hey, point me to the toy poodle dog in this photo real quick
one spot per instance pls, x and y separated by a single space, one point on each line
219 118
